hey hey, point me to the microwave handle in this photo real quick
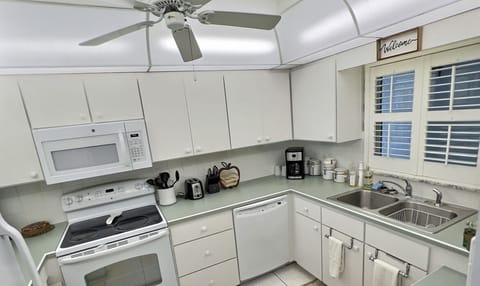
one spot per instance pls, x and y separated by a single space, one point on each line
125 148
69 260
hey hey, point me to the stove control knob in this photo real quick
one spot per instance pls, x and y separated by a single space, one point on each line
68 201
78 198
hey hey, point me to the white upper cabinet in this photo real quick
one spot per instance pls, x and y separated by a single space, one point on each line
327 105
314 102
19 159
40 37
207 112
166 115
258 107
313 25
54 100
113 97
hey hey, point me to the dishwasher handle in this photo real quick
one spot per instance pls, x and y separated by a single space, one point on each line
259 204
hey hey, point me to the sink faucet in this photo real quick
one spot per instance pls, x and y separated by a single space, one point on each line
439 196
407 190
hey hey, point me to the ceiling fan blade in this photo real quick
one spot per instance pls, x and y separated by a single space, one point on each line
198 2
236 19
116 34
187 44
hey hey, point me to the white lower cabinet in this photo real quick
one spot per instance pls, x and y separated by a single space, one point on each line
353 260
205 251
414 273
223 274
308 244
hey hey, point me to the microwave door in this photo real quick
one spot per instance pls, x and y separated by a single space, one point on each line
86 156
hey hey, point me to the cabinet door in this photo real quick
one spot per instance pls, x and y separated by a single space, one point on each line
113 97
18 156
55 100
244 102
415 273
207 111
353 260
166 116
314 102
308 245
274 87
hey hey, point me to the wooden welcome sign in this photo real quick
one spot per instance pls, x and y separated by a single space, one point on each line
399 44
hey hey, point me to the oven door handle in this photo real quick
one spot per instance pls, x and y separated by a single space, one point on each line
69 260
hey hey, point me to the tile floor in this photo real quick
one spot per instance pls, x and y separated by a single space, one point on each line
289 275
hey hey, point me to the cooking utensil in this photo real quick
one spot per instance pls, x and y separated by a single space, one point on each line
177 178
164 176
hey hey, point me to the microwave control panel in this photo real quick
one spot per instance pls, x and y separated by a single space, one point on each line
136 146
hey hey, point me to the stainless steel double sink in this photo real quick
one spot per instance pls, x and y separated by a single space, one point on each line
416 212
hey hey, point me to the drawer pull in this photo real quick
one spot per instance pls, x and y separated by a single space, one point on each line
203 229
211 283
305 209
315 228
207 253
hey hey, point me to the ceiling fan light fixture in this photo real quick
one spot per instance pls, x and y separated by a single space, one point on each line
175 20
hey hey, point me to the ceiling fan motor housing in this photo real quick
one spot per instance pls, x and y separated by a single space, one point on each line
175 20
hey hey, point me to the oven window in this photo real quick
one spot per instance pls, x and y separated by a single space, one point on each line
137 271
79 158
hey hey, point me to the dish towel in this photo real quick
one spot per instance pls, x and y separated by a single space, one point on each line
336 256
384 274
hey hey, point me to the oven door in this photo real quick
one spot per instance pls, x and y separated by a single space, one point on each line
144 260
78 152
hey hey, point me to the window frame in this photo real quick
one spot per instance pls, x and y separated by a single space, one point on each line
396 165
453 175
462 175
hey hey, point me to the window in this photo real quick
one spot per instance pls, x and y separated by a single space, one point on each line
394 93
424 116
455 86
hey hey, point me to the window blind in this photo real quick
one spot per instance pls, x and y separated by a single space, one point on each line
393 139
394 92
453 143
455 86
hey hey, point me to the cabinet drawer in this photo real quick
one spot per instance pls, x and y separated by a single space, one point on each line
343 223
205 252
201 227
398 246
223 274
307 208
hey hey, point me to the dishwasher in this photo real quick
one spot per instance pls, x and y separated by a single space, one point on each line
262 236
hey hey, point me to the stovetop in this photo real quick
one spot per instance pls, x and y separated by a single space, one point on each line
97 228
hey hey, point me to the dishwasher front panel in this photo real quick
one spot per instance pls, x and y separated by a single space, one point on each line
261 231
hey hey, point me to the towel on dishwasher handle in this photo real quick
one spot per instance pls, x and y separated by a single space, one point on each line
337 256
384 274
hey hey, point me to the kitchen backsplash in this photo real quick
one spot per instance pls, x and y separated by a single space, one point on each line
24 204
21 205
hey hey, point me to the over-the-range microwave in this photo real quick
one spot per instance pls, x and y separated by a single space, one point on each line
84 151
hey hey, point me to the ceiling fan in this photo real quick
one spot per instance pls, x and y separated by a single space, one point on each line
175 14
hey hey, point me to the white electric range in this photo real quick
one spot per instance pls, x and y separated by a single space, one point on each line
116 235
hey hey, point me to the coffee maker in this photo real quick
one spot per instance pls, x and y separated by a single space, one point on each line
295 163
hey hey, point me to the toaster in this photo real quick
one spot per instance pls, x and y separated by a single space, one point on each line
194 189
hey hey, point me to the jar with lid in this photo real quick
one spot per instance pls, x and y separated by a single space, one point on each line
341 175
306 166
315 169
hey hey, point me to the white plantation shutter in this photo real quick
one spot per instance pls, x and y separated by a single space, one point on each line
395 99
451 136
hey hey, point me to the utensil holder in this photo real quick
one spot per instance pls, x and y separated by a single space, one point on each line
212 184
166 197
